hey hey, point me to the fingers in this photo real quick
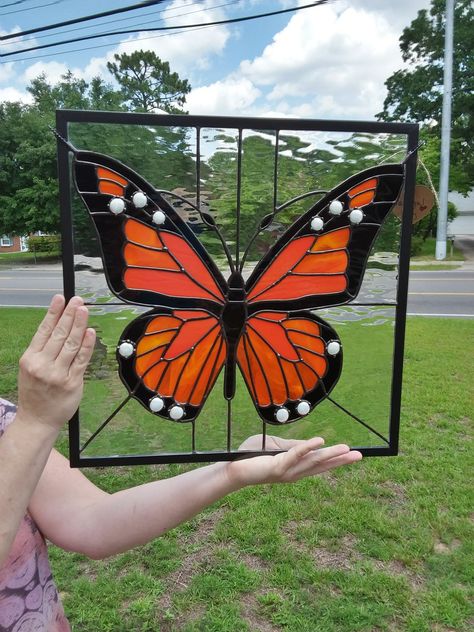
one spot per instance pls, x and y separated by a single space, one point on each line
297 452
287 444
326 459
62 329
48 323
345 459
82 358
73 342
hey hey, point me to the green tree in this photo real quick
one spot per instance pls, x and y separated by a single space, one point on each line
147 82
28 188
28 170
415 93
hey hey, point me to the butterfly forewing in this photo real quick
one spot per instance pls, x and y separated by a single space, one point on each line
320 260
150 255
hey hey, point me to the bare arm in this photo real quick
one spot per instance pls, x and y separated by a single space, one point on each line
68 508
97 524
51 371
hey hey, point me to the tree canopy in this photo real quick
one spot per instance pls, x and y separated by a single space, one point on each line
28 172
415 93
147 83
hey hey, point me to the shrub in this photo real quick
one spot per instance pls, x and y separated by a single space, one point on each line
45 243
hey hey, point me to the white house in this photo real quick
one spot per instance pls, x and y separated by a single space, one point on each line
463 224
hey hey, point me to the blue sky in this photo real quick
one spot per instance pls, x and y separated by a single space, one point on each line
323 62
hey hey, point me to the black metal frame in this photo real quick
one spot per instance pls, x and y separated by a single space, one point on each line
64 117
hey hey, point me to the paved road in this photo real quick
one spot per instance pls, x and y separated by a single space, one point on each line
442 293
32 287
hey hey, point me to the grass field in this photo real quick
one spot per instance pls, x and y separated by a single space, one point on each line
384 546
27 258
428 248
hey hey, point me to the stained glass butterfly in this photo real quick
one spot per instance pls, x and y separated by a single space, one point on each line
200 323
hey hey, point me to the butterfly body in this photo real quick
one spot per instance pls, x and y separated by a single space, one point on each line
200 324
234 317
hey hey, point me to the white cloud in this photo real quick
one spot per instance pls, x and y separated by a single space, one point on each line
399 13
12 94
15 43
234 95
53 70
6 72
187 52
327 61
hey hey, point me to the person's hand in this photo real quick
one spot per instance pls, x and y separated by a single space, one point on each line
50 380
301 459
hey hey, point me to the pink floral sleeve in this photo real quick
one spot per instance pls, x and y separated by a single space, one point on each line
29 600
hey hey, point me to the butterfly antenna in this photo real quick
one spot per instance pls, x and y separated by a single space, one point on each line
267 220
206 219
63 140
410 153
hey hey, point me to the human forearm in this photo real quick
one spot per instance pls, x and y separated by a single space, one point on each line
24 450
49 391
134 516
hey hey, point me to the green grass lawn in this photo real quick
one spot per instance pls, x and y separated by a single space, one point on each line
384 546
428 249
27 258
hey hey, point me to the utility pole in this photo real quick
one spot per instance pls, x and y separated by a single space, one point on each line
445 133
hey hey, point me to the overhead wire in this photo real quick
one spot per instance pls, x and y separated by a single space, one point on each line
94 16
83 49
11 4
183 27
38 6
142 15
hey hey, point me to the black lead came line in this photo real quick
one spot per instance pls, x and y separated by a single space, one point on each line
363 423
210 352
214 226
190 351
102 426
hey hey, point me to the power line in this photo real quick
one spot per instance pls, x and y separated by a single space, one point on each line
94 16
38 6
173 15
82 49
183 27
10 4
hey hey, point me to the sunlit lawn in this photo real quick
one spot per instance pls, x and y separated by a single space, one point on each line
387 545
28 258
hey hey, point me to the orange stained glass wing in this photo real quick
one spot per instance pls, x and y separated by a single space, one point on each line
181 358
333 240
110 182
306 266
282 358
363 193
138 256
141 234
159 261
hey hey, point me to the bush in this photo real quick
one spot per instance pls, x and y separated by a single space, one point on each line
45 243
416 245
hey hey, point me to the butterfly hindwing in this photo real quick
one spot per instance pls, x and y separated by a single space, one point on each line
169 360
285 360
320 260
150 254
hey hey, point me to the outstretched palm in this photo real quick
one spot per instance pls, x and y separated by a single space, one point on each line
299 459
